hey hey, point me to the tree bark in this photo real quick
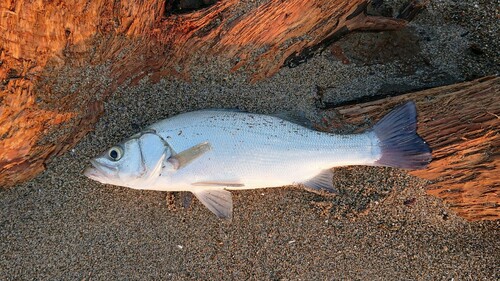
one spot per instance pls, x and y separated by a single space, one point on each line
461 123
59 60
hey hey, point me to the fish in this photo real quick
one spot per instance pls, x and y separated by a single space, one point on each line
211 152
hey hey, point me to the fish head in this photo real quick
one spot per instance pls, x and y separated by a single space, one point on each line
135 162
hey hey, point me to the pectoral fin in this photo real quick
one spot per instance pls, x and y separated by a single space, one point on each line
321 183
187 156
219 201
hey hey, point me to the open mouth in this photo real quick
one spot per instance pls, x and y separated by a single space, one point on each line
98 171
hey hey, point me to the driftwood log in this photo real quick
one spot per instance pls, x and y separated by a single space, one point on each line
461 123
59 60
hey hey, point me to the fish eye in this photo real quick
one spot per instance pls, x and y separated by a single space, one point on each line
115 153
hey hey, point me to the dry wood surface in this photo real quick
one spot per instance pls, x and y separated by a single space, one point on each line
461 123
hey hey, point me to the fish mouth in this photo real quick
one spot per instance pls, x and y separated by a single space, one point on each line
99 171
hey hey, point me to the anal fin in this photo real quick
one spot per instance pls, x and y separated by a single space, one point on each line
218 201
323 182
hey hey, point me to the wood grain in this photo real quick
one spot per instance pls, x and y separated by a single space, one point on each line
461 123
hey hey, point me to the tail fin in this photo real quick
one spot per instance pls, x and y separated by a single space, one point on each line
400 145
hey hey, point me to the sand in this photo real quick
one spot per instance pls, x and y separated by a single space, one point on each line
381 225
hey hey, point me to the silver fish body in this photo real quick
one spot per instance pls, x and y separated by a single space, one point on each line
211 151
257 150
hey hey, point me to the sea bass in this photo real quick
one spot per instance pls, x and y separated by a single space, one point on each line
209 152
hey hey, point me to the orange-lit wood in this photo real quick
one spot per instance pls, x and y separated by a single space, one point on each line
461 123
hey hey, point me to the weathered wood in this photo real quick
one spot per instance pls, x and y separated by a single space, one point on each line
461 123
59 60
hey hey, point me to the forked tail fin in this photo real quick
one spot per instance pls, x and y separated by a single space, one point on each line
400 145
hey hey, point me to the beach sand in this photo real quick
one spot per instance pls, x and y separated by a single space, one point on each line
380 226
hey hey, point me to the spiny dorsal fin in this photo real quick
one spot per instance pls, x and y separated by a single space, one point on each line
187 156
218 201
321 183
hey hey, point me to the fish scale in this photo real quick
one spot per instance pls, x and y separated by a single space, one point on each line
257 150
